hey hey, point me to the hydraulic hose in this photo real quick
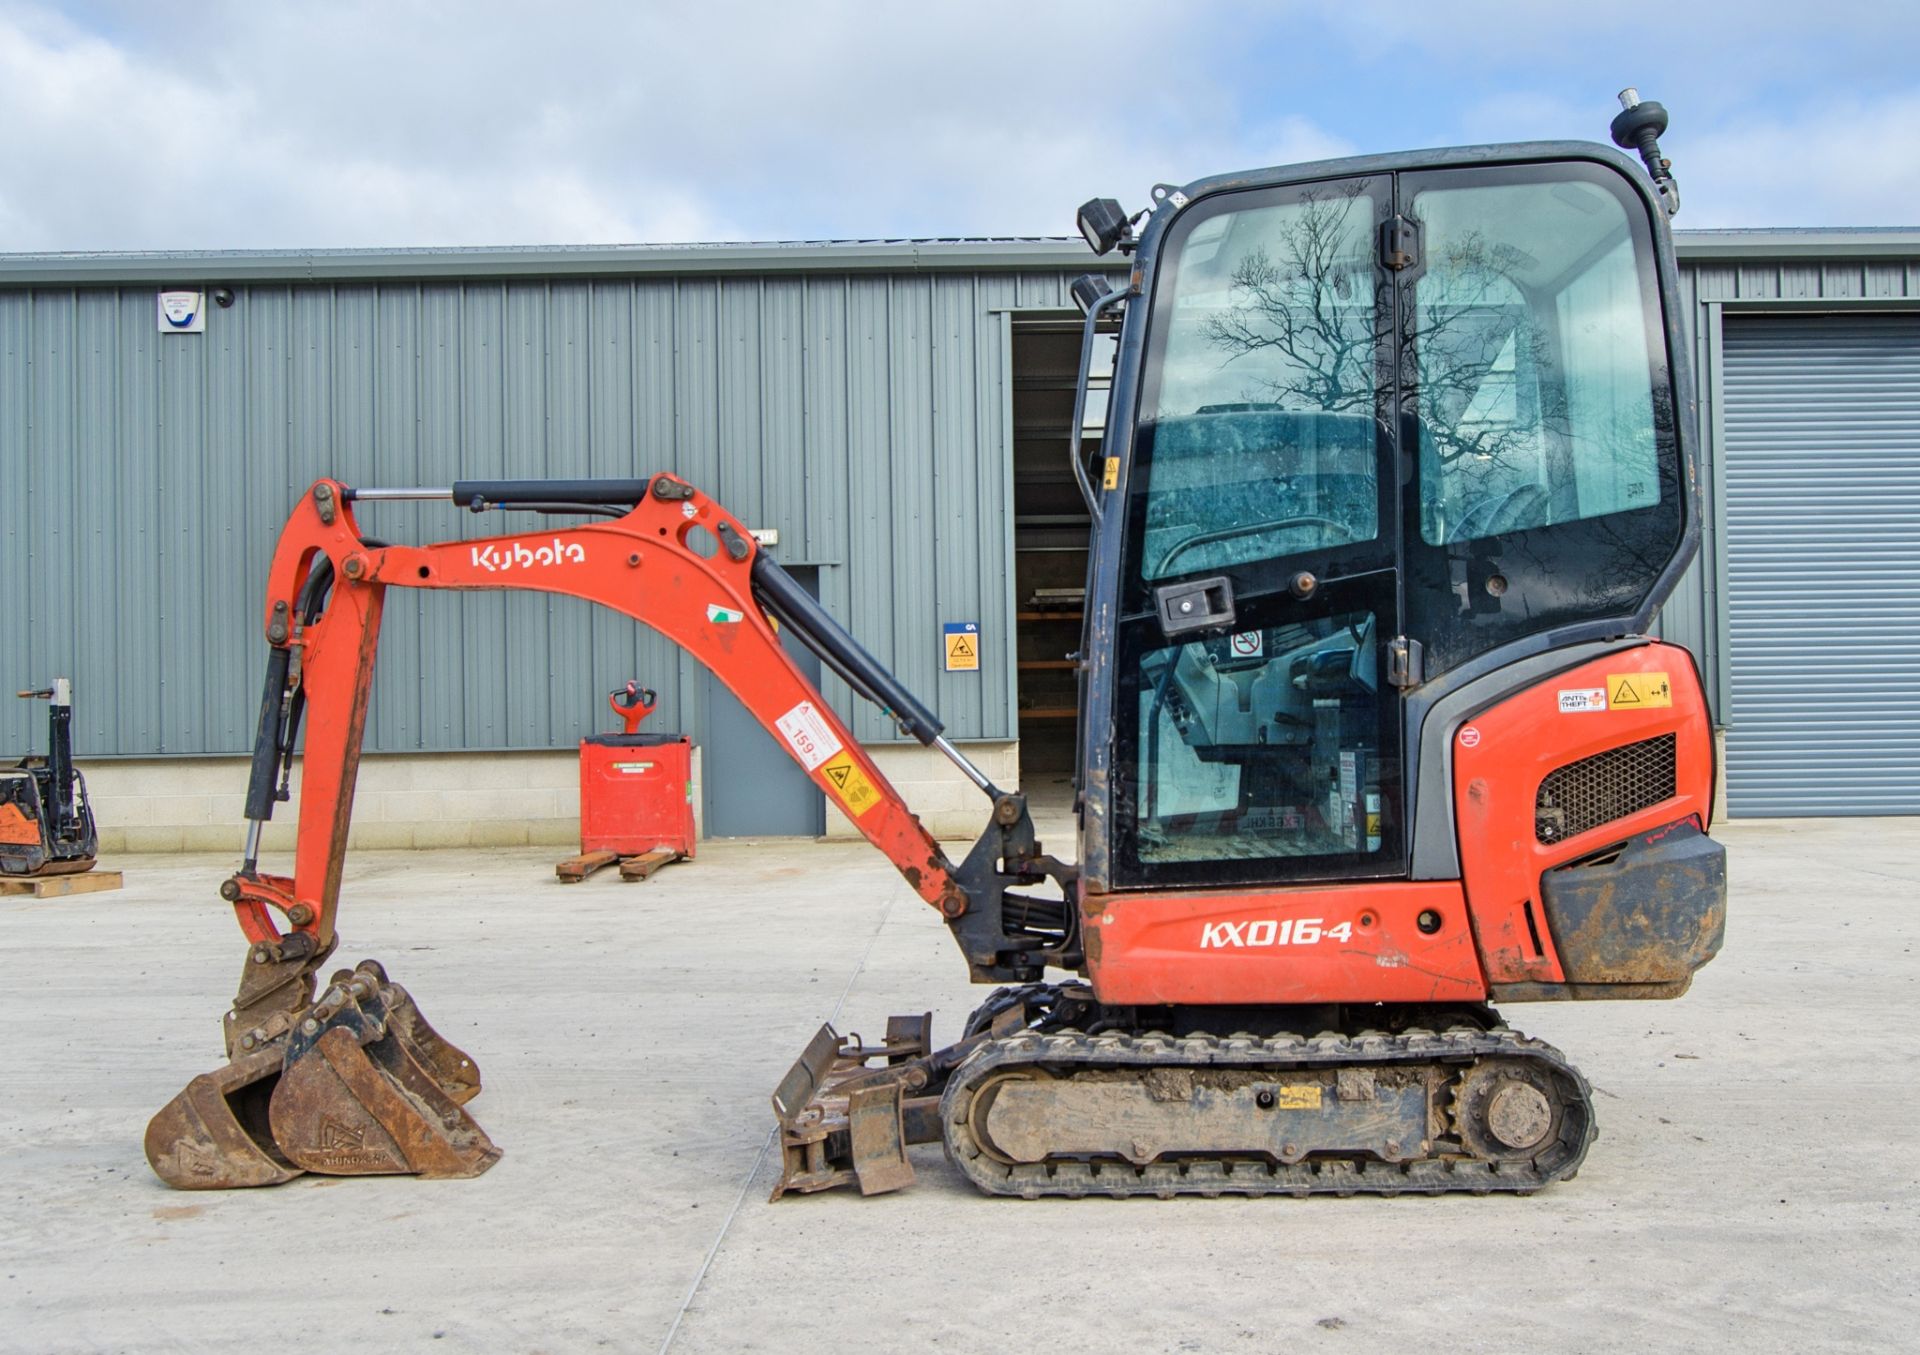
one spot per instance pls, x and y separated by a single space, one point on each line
795 607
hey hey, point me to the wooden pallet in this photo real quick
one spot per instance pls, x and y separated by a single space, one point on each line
59 886
640 867
577 868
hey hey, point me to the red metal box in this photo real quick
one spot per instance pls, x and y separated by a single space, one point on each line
636 793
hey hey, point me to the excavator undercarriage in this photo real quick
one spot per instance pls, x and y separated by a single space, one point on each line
1044 1101
1373 732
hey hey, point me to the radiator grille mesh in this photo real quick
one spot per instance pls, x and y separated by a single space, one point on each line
1604 787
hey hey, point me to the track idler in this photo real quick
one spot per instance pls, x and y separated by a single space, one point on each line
353 1084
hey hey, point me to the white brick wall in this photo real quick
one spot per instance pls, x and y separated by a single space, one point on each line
463 799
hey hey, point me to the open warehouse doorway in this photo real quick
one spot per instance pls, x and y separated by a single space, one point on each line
1051 530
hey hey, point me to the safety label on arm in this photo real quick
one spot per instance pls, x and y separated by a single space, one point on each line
856 792
807 734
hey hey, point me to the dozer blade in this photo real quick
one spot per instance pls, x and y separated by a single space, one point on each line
214 1135
845 1123
369 1089
357 1083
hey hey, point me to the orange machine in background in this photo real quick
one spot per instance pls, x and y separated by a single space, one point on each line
636 795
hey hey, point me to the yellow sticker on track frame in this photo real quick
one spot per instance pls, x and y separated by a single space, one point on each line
850 784
1300 1096
1638 691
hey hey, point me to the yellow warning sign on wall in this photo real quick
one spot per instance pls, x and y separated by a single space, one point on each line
1637 691
963 646
850 784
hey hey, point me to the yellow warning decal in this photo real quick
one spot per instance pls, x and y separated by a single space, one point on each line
1638 691
846 780
963 652
1111 480
1303 1097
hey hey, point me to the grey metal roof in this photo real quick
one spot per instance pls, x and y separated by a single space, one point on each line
965 254
981 254
1800 242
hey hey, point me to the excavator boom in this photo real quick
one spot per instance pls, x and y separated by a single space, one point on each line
360 1058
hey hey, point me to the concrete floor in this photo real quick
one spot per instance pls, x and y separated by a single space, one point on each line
1753 1188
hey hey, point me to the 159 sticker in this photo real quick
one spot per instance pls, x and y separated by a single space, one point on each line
807 734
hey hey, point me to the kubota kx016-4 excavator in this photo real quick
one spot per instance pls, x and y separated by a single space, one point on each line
1397 469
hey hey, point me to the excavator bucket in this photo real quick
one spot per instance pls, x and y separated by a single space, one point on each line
214 1135
356 1084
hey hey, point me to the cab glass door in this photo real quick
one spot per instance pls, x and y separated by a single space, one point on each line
1536 396
1258 735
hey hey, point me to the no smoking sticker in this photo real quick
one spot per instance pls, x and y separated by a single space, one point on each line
1248 644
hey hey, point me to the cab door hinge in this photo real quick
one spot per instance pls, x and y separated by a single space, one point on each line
1399 243
1406 663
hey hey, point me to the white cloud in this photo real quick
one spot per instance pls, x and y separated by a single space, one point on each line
1851 162
238 124
252 125
111 148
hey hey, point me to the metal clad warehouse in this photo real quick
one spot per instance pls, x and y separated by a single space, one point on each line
1806 605
894 411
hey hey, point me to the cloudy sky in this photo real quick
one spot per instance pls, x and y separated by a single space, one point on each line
265 125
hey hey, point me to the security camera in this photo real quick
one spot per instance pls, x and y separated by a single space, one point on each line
222 297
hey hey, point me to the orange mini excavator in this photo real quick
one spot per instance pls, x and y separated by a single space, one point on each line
1397 469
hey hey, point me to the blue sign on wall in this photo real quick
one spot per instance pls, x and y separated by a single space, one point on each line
963 646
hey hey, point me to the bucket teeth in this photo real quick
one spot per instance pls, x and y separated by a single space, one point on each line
360 1084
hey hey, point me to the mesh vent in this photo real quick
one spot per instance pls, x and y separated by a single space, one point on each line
1604 787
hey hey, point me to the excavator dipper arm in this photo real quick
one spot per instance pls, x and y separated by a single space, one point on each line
356 1081
640 564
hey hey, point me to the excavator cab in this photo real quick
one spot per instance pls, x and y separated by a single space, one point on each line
1380 426
1373 732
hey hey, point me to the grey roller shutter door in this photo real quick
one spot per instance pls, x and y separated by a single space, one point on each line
1822 476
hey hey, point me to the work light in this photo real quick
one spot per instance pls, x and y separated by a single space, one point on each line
1103 223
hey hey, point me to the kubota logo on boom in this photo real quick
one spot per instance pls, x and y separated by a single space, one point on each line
519 555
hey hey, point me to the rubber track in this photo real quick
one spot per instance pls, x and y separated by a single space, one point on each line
1457 1049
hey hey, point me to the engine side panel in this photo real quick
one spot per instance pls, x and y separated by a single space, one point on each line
1343 943
1590 724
